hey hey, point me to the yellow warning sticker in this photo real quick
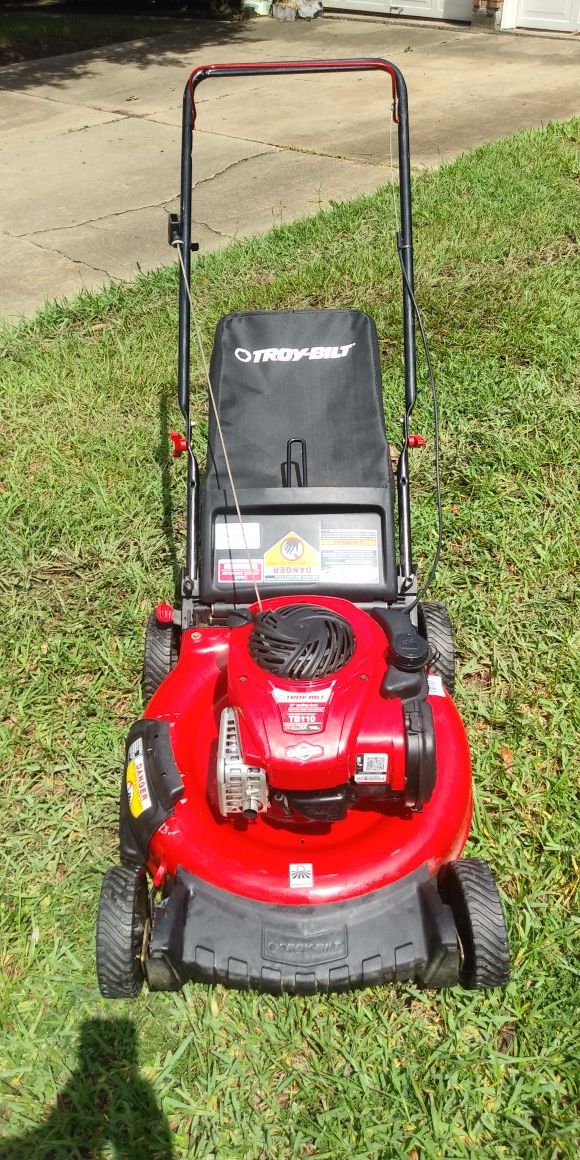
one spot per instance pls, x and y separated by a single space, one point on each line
136 780
292 560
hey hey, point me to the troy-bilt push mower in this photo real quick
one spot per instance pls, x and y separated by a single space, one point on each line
299 788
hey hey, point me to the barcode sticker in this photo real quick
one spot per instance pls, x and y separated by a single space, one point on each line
371 768
375 762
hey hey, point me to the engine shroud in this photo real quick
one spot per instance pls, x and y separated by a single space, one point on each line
302 642
306 733
372 845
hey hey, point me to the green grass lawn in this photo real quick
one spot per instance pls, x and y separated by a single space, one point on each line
87 546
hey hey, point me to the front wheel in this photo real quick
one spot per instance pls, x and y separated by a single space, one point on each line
468 887
121 928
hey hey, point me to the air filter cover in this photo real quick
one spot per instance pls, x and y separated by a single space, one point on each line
301 642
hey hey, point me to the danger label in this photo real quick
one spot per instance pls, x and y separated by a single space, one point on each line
138 794
349 555
240 571
302 712
291 560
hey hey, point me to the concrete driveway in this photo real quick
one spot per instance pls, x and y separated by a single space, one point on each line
90 143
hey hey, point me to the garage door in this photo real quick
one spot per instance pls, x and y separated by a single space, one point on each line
556 15
428 9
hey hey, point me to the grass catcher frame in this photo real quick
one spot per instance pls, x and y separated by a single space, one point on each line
180 234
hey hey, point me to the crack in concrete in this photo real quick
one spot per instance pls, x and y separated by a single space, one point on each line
212 230
84 128
101 218
294 149
38 97
75 261
233 164
151 205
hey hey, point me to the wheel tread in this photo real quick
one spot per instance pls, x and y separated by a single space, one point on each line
120 925
469 888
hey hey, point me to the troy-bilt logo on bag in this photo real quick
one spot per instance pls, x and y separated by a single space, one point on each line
288 354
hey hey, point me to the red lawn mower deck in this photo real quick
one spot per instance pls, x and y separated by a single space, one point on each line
297 794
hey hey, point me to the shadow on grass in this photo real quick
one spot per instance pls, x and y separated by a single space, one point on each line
105 1102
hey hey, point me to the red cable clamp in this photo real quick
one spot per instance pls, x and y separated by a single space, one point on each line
179 444
164 614
416 441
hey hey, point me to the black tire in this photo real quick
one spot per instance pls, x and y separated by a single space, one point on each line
468 887
161 653
121 923
435 628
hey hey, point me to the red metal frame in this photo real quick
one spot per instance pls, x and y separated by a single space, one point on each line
276 67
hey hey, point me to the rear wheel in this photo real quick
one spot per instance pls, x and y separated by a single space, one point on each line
161 654
468 887
435 628
121 926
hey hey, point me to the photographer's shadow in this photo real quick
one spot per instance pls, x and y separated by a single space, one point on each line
105 1102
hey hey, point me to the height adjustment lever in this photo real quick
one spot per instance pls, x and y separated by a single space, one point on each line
179 444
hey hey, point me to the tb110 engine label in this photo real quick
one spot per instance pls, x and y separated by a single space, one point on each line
302 712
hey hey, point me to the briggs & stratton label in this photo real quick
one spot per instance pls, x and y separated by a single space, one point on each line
302 712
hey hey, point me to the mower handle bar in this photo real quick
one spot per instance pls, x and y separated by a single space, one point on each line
404 242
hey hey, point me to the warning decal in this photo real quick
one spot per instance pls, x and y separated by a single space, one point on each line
136 780
292 560
435 685
349 555
240 571
300 875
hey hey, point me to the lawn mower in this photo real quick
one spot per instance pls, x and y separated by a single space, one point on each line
297 794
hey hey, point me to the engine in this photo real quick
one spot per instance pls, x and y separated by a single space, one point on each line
327 710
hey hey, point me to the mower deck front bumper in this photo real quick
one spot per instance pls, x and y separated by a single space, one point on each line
401 932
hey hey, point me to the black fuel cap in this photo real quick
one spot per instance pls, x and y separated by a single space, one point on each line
408 651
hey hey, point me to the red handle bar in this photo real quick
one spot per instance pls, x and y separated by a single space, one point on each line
276 68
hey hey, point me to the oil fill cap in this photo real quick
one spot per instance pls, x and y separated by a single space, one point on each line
408 651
